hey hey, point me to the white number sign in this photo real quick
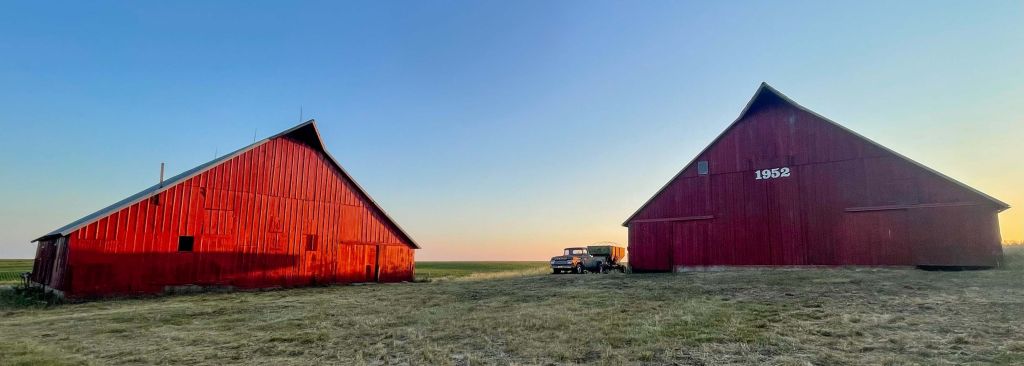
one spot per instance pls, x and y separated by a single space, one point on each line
771 173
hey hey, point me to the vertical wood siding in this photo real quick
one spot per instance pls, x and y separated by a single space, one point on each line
250 217
910 215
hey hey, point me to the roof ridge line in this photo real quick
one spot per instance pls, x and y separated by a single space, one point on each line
185 175
764 86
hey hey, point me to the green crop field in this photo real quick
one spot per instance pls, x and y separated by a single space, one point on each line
451 270
510 313
11 270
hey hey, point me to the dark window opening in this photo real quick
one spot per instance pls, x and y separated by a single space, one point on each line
185 243
310 242
702 167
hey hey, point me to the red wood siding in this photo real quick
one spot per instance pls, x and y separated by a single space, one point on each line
250 217
846 202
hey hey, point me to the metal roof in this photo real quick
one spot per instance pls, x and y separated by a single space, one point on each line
766 89
306 131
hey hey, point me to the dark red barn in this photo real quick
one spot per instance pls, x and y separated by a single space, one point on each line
278 213
783 185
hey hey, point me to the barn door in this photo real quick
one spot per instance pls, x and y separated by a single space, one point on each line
785 224
376 263
875 238
691 239
650 246
741 221
312 271
954 236
371 259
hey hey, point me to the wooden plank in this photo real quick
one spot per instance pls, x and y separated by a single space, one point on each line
685 218
910 207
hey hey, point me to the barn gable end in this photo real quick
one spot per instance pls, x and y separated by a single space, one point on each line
278 213
839 199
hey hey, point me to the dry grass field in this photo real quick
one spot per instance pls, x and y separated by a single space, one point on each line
820 316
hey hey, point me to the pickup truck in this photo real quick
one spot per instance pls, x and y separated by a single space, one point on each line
593 258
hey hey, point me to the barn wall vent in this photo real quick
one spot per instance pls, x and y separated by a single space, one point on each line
186 243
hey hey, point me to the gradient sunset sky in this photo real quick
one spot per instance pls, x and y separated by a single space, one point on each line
489 130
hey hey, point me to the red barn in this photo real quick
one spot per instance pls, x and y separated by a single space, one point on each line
278 213
783 185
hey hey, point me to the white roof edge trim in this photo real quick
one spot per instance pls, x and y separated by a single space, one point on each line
148 192
358 187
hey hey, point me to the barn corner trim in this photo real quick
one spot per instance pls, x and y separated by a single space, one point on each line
764 89
305 131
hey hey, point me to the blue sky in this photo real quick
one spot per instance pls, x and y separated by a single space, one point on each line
483 126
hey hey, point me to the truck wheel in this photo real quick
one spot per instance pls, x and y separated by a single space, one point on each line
579 269
556 271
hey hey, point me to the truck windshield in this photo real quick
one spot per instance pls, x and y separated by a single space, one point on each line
576 251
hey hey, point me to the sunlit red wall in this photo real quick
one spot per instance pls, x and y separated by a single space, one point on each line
846 201
250 217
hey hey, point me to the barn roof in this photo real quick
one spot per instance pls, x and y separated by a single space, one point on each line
306 132
766 94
